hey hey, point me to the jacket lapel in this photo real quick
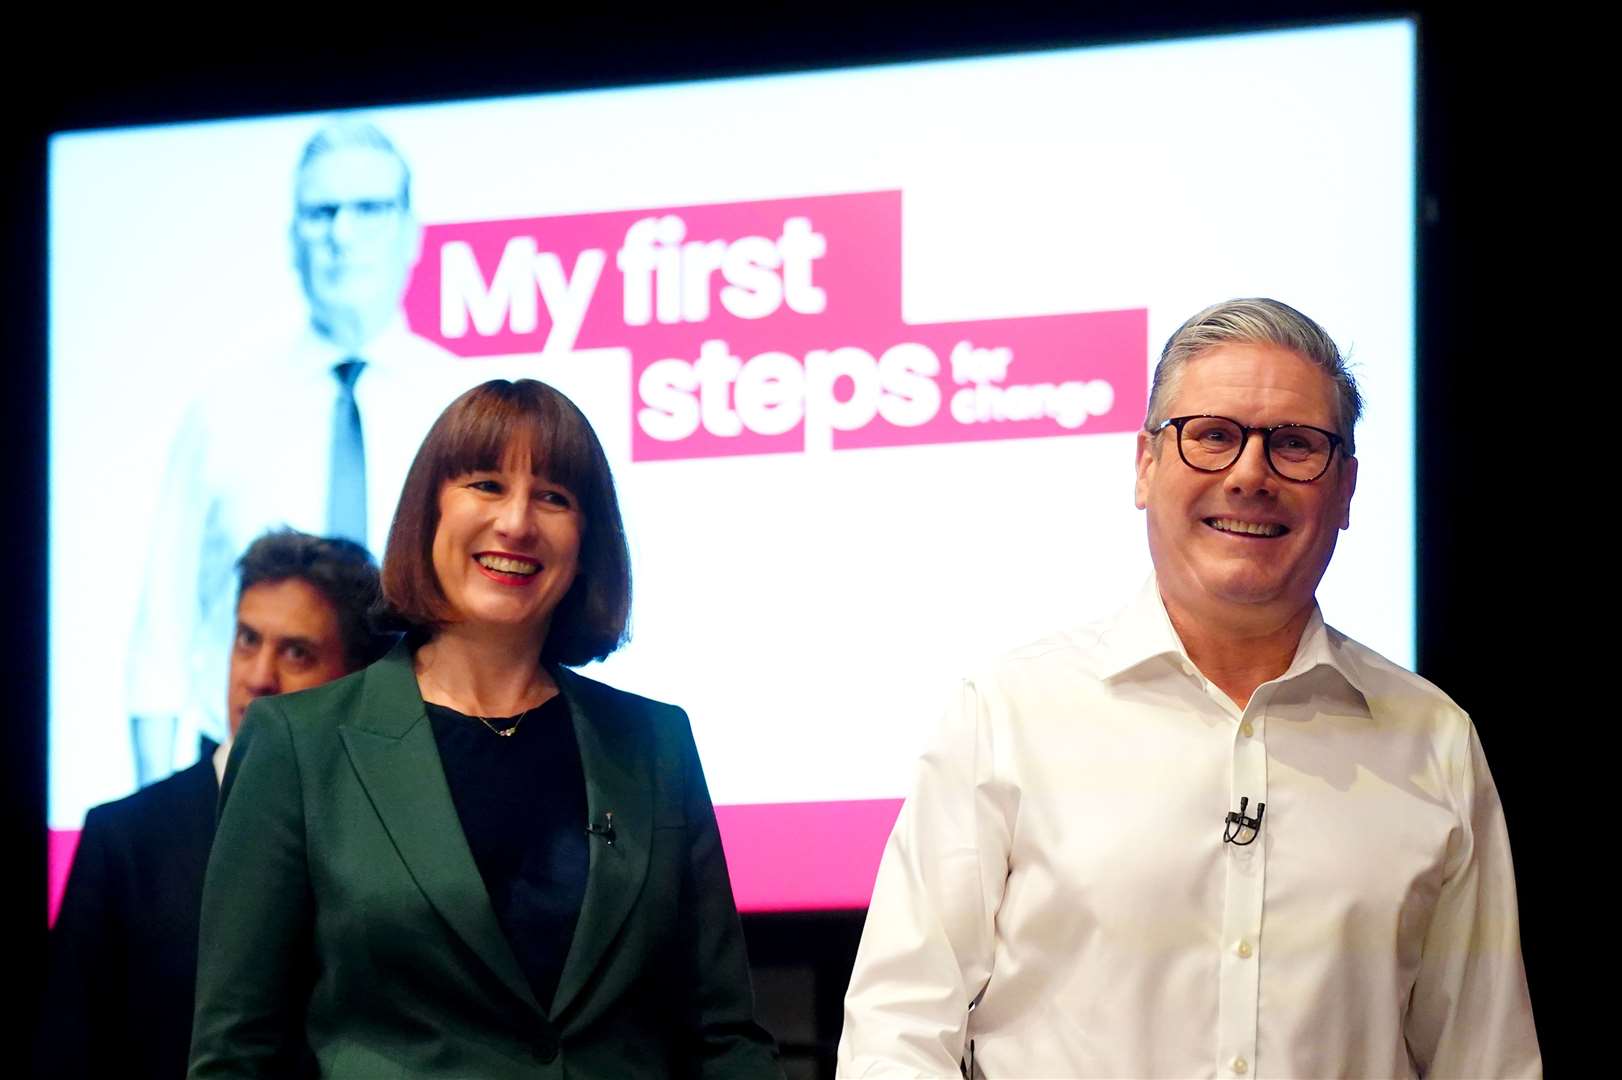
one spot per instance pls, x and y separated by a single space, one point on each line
391 745
617 759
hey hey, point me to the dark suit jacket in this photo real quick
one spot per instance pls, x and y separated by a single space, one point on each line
343 906
118 999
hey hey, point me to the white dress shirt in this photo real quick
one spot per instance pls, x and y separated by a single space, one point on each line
254 453
1061 857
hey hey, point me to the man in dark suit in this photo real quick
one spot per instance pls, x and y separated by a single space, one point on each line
124 948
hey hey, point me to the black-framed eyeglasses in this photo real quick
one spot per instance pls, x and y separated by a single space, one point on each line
1298 452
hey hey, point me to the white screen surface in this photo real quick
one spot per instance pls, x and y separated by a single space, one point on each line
810 607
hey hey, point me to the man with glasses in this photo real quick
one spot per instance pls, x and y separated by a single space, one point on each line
314 433
1211 836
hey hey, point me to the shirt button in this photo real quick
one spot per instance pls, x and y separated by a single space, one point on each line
1246 730
1243 949
1240 1065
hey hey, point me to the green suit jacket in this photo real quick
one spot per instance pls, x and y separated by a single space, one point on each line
344 917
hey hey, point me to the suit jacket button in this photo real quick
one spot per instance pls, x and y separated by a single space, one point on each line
546 1046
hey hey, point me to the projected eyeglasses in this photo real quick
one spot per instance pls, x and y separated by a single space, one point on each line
315 219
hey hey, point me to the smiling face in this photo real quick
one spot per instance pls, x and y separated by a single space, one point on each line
507 548
1243 550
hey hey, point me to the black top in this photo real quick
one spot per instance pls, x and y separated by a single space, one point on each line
522 803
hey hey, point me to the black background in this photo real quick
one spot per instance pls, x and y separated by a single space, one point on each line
1509 415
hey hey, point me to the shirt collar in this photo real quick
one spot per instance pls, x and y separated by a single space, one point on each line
1324 646
384 349
222 753
1142 632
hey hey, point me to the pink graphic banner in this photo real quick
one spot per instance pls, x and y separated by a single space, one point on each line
772 326
782 856
62 843
811 856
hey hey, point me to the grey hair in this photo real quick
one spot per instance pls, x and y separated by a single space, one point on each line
1252 321
347 134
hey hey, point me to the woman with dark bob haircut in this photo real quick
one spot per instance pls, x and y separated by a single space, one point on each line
466 859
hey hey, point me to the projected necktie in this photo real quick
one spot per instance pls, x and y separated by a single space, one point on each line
346 487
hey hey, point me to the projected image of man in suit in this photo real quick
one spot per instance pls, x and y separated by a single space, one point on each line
124 950
314 431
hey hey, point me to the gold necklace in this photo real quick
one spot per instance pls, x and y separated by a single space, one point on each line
508 731
512 728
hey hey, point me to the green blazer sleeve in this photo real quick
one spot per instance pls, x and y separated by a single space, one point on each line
726 1040
257 913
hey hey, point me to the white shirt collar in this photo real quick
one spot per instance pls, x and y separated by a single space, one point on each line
222 752
384 349
1142 631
